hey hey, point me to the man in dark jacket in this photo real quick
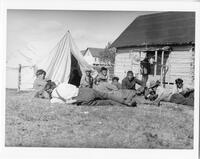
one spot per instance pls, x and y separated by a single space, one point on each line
130 81
145 70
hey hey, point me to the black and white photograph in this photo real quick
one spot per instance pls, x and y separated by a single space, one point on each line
109 79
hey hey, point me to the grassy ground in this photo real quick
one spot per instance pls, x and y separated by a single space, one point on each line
34 122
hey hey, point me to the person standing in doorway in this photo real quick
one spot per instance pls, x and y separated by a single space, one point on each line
145 70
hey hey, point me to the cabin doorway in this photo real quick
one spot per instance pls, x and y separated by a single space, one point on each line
75 72
159 69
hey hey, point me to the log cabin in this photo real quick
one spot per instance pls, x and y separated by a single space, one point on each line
166 37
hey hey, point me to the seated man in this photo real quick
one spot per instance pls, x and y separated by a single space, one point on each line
163 94
181 90
179 87
115 81
87 80
39 83
130 81
70 94
102 76
105 87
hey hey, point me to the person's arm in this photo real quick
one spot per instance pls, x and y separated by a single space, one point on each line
96 79
71 101
39 85
111 87
124 84
159 98
139 81
187 88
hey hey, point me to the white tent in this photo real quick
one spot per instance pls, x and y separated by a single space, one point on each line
62 64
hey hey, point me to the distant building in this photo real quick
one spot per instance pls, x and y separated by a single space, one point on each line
168 37
92 56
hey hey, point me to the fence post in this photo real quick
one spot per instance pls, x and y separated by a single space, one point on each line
19 77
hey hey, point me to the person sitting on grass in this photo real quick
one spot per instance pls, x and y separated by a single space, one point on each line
157 94
180 87
105 87
39 83
70 94
115 81
87 80
102 76
130 81
181 90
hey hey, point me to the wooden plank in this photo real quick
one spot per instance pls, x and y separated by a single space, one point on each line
156 59
162 61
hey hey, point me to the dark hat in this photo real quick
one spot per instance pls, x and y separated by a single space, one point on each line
154 83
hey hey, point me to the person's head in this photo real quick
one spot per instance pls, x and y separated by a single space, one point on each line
130 75
179 83
40 74
88 72
49 87
115 80
104 71
153 85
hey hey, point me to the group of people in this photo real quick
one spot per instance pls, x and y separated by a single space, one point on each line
99 91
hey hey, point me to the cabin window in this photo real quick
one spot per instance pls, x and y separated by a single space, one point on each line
157 65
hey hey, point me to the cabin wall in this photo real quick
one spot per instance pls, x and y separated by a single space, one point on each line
127 61
180 63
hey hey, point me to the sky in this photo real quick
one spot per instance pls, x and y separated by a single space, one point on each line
38 31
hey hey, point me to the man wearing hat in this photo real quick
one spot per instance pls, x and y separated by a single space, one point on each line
159 93
166 95
87 79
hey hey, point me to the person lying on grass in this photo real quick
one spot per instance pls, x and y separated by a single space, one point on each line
157 94
70 94
39 84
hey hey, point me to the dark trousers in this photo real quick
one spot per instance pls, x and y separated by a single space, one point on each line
126 94
89 96
180 99
145 79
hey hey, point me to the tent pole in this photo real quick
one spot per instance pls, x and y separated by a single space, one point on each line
19 77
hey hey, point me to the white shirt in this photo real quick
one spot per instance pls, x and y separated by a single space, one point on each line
163 94
66 91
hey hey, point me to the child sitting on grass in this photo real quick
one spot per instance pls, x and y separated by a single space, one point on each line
87 80
39 84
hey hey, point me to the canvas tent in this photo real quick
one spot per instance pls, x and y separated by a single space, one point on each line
63 63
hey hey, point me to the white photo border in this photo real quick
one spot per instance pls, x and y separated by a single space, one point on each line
70 153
